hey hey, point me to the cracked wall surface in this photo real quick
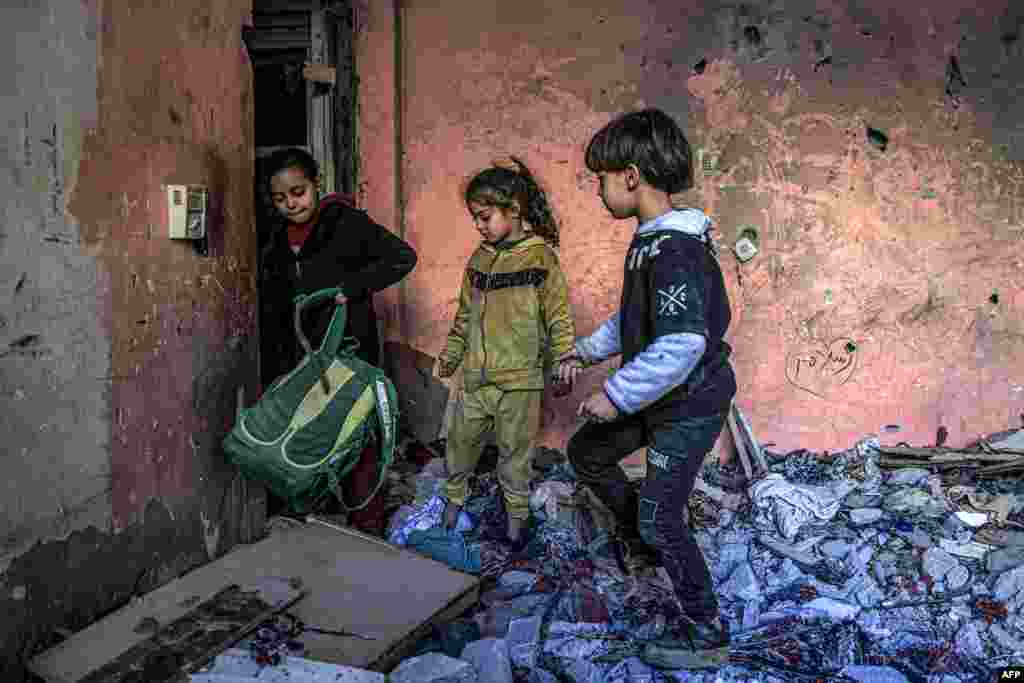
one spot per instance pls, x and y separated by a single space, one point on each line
886 290
120 350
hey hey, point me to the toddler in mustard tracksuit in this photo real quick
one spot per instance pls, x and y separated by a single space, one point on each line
513 312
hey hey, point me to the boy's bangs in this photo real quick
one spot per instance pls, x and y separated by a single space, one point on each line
614 147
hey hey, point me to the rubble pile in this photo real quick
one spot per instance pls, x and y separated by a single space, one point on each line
825 566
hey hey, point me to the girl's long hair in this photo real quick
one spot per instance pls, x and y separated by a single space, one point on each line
509 183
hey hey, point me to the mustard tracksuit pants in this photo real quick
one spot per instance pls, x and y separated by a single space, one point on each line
515 418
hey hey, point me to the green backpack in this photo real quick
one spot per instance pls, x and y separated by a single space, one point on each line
310 427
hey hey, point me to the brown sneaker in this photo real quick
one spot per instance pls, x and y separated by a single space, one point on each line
698 645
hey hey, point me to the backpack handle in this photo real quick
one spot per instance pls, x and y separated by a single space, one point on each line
335 330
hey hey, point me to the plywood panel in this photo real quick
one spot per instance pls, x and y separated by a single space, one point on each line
355 583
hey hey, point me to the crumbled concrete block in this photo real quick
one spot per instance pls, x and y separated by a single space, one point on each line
490 659
434 668
907 476
523 636
936 563
861 516
836 549
874 674
1005 639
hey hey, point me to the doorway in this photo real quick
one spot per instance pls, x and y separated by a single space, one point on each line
291 111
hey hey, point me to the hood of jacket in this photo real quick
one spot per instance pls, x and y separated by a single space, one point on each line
693 222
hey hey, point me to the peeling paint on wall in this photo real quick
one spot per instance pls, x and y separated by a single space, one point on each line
120 350
885 194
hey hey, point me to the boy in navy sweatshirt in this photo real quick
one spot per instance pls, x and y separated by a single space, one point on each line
675 385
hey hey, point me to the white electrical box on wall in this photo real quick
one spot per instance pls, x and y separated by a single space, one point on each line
186 211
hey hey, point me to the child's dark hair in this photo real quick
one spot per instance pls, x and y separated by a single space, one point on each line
507 184
652 141
292 157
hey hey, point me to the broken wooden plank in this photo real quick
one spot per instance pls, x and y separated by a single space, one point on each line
177 648
931 452
1004 468
975 457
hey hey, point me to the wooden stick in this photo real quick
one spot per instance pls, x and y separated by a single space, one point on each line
747 433
741 448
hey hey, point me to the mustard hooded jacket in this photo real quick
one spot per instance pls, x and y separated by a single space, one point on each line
513 317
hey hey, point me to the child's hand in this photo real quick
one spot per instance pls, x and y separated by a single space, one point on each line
444 369
598 407
569 368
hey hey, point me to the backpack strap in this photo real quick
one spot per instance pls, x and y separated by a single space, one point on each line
387 419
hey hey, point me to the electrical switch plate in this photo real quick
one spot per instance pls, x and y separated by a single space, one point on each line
707 161
186 211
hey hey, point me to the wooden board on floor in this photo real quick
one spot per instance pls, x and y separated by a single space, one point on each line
191 641
355 583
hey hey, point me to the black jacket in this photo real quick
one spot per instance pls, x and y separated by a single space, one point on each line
673 284
344 249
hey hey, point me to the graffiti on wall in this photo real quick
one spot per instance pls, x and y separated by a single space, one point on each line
822 368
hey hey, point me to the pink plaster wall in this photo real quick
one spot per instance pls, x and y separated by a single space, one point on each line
175 106
378 161
898 252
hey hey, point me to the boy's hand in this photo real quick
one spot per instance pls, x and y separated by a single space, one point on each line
598 408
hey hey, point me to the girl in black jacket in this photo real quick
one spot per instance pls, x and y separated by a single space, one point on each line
323 243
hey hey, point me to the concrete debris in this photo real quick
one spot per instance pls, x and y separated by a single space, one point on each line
971 550
874 674
937 563
914 501
789 506
864 516
972 519
434 668
523 636
1006 640
1003 559
237 666
828 566
909 476
490 659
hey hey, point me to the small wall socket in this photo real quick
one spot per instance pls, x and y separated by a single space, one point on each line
186 211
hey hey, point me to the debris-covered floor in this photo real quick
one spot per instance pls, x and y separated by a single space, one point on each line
874 564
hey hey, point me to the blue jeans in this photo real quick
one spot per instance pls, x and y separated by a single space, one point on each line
657 511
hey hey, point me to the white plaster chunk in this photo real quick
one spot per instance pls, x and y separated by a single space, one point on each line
434 667
523 635
907 476
490 659
874 674
1005 640
936 563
